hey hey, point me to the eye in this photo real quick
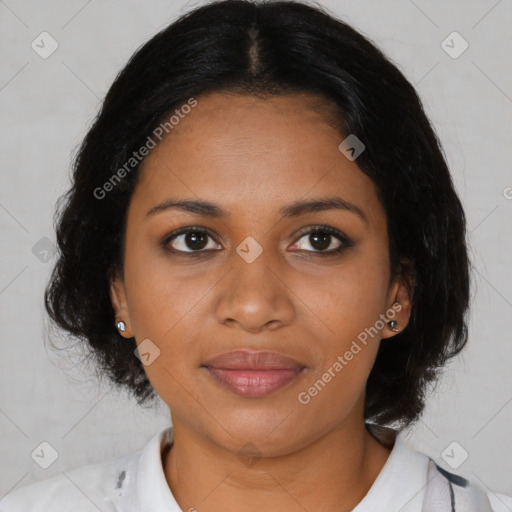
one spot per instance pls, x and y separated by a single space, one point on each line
194 240
191 239
321 238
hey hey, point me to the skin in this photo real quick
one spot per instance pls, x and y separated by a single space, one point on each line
252 157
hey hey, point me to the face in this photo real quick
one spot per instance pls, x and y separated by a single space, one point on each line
254 277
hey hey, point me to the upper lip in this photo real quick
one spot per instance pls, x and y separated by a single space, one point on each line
252 360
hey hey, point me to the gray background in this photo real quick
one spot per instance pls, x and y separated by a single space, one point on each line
47 105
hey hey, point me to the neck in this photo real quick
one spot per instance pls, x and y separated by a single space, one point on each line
333 473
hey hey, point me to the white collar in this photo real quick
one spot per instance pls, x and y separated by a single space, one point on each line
401 483
152 490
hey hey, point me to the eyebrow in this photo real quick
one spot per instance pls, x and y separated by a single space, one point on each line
291 210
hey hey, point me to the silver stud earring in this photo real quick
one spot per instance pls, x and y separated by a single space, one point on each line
121 326
392 325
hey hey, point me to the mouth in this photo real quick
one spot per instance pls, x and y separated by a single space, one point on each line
253 374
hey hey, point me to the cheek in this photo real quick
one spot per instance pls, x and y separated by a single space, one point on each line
349 305
161 292
352 297
346 350
164 308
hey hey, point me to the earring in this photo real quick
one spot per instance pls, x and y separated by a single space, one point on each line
121 326
392 325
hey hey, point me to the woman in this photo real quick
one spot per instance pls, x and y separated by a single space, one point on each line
262 230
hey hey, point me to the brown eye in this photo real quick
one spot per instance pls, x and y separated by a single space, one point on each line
190 240
323 240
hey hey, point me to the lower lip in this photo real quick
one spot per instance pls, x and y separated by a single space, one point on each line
253 383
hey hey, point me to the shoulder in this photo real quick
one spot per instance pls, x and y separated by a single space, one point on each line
84 489
439 489
500 502
461 494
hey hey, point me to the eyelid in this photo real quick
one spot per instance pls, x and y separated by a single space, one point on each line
183 231
326 229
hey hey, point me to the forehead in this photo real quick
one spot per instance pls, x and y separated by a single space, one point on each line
254 154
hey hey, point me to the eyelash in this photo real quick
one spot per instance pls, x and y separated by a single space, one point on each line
345 241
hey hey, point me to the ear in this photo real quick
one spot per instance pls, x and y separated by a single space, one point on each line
120 304
399 301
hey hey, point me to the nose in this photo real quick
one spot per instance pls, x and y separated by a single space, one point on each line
254 295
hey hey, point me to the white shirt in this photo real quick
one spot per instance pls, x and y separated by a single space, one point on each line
136 483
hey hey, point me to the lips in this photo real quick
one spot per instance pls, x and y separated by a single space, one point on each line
253 374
